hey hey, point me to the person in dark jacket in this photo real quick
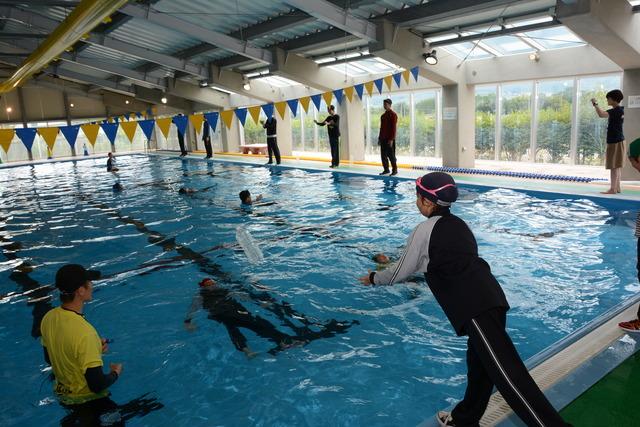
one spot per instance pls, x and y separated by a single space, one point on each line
333 128
183 150
206 138
445 250
387 138
270 126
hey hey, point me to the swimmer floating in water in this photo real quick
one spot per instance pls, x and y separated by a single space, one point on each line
111 163
245 197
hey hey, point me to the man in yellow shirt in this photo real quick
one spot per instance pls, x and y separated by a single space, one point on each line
74 350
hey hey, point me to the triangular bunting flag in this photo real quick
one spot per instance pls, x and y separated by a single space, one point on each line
70 133
132 116
117 120
328 97
281 107
147 127
348 91
389 81
181 123
196 121
241 113
227 117
369 87
338 95
316 100
6 136
255 113
378 84
415 71
165 126
91 132
212 119
129 129
293 106
49 135
359 90
397 78
268 110
111 130
26 135
406 74
304 101
139 115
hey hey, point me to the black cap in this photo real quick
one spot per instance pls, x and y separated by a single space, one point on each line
71 276
439 187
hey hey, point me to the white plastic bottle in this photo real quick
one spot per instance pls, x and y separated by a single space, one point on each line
249 245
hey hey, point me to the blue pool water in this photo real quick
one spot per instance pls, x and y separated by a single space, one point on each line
562 260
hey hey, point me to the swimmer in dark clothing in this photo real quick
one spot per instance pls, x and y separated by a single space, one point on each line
111 164
188 190
117 187
245 197
223 308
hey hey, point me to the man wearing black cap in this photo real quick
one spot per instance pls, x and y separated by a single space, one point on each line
74 350
445 250
387 138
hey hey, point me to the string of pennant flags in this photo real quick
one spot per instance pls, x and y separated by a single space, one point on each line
129 124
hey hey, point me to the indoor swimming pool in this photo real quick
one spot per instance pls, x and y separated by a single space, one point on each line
391 357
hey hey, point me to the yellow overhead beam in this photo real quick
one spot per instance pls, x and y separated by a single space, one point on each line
84 18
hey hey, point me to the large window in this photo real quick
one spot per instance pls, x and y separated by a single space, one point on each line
516 121
254 133
486 107
425 124
553 133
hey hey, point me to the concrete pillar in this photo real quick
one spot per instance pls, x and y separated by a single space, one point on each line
352 144
458 125
285 134
230 137
631 87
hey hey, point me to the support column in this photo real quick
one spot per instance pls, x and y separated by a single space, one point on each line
352 144
631 87
285 134
458 125
230 137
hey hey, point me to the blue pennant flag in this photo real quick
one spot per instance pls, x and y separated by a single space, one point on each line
378 84
111 130
317 99
338 94
139 115
117 119
27 135
359 90
104 121
212 119
147 127
241 113
397 77
181 123
70 133
293 106
268 110
415 71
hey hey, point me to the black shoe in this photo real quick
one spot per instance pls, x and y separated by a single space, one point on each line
394 173
278 163
332 166
269 163
384 173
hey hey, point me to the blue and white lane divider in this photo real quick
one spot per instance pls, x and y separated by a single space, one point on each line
509 174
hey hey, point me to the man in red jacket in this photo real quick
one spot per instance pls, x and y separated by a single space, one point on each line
387 138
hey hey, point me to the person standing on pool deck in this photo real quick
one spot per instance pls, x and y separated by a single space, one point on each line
333 129
183 150
271 125
444 248
74 350
387 138
615 138
206 138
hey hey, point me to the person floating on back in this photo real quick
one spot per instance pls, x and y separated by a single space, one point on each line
445 250
615 137
387 138
333 129
270 125
111 163
74 350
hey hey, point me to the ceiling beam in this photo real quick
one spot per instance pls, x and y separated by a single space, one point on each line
50 3
497 33
338 17
215 38
23 36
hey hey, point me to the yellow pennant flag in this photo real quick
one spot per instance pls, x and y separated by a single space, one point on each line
281 108
132 116
49 135
165 125
6 136
369 87
389 81
91 132
197 120
255 113
327 96
406 74
305 103
348 91
227 117
129 129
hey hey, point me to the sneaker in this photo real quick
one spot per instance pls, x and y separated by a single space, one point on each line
630 326
384 173
444 419
394 173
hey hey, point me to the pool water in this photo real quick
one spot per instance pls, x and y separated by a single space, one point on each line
562 260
